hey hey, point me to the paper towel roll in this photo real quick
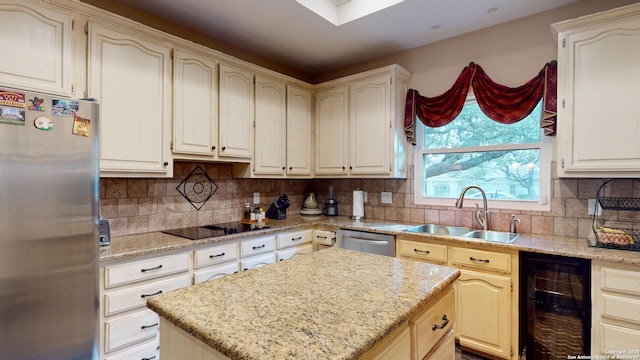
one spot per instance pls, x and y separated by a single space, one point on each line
358 204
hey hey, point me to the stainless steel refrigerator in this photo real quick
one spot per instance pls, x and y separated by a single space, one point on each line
49 193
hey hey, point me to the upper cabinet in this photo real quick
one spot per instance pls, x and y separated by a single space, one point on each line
359 125
195 104
236 111
283 135
598 106
299 131
37 38
270 156
130 75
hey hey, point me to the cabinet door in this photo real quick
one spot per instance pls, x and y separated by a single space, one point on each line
598 107
195 104
483 308
271 124
130 76
331 131
39 39
299 131
370 126
236 112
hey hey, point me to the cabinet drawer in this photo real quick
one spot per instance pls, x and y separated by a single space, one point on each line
324 237
293 238
136 297
481 259
128 329
258 245
621 280
619 338
423 251
621 308
434 324
257 261
215 255
296 251
148 350
140 270
215 272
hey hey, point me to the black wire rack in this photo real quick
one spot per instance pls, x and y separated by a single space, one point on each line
627 236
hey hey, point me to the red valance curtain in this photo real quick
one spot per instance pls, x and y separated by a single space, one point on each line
503 104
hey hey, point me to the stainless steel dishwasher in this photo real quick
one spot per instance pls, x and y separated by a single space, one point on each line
381 244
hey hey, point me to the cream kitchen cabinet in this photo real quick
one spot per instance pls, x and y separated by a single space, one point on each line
127 327
195 105
598 108
486 293
359 125
294 243
130 75
615 325
331 146
236 112
270 156
40 36
215 261
283 132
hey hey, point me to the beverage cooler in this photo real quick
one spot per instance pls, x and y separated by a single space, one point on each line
555 306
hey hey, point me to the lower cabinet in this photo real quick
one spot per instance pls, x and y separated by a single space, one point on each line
615 325
486 293
128 330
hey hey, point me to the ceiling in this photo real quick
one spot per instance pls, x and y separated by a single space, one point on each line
287 33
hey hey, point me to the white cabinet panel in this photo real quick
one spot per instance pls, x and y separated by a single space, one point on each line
37 41
331 131
140 270
299 131
236 112
598 107
195 104
136 297
124 330
131 76
215 272
270 155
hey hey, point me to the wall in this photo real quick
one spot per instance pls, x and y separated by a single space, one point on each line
141 205
510 53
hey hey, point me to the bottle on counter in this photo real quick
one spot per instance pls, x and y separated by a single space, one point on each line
247 211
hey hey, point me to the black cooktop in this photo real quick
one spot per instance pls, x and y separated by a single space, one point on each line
207 231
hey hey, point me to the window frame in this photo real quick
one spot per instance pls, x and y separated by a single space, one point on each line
544 146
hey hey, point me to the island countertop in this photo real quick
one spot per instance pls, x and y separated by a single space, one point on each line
332 304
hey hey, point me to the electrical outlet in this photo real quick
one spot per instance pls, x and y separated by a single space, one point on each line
386 197
256 198
591 206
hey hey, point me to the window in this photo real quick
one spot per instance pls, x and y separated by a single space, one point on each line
509 162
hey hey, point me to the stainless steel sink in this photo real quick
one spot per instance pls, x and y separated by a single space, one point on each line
460 231
494 236
435 229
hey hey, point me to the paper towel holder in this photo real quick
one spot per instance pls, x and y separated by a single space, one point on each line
353 216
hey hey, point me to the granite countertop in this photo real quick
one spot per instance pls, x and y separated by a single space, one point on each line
131 246
287 311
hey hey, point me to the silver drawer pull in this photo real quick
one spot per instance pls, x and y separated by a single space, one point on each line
215 256
479 260
147 295
259 247
153 268
145 327
422 251
445 322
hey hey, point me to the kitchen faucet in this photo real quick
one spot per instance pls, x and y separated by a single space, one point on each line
481 215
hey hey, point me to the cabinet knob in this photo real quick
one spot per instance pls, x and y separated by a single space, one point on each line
166 163
343 168
224 148
283 168
213 147
350 167
290 167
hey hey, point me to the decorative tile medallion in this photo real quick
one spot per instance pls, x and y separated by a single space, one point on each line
197 187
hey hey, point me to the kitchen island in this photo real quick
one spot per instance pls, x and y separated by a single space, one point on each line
332 304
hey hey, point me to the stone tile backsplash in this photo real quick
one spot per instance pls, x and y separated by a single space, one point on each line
144 205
